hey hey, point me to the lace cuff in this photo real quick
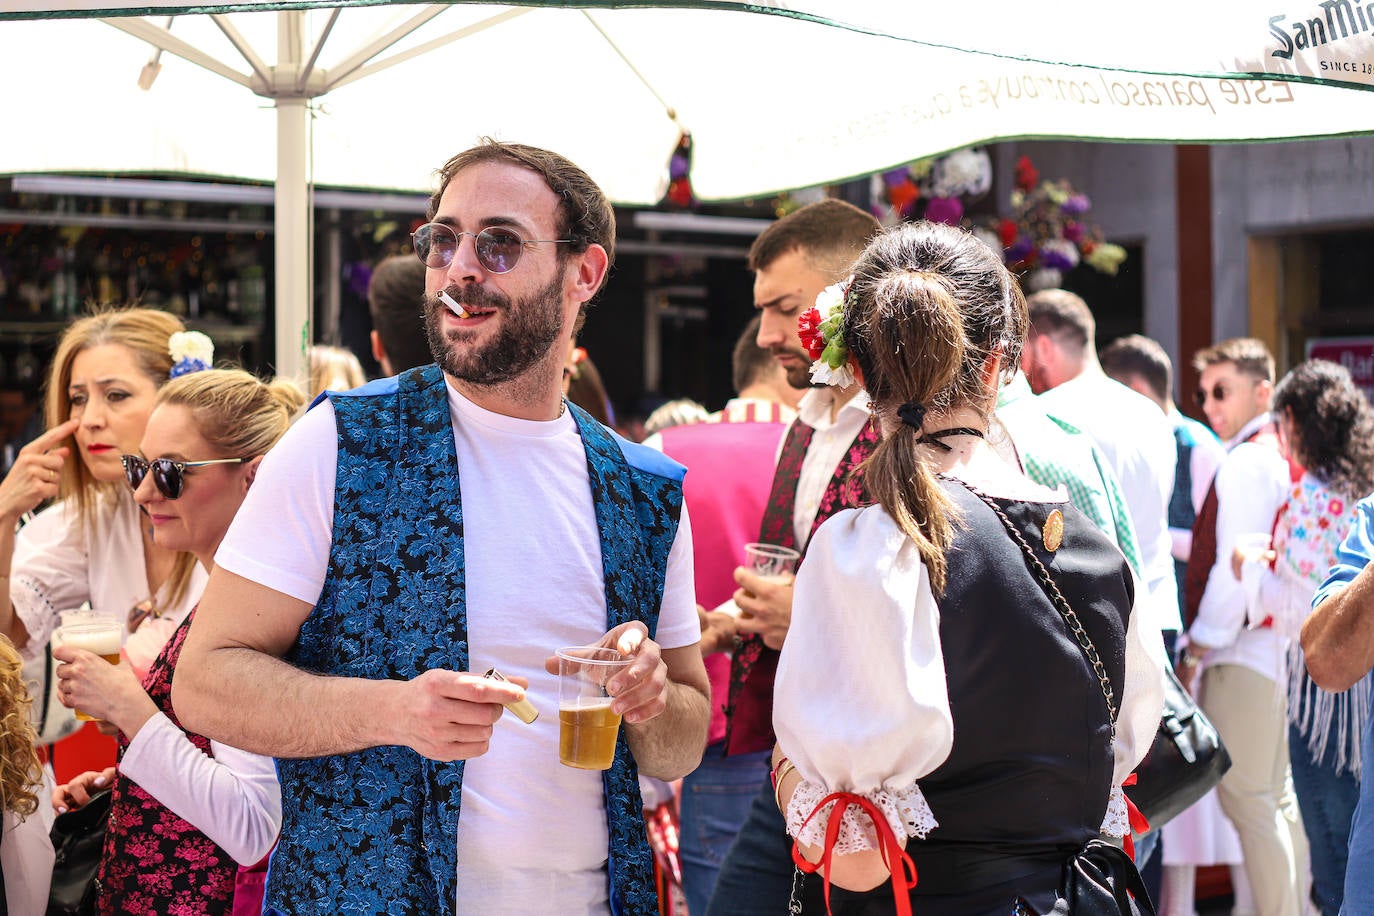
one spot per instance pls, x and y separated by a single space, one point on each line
907 813
1117 821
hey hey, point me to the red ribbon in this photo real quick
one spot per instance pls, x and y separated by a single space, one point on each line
1136 818
891 849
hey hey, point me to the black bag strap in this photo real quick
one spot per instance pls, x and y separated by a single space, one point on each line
1057 598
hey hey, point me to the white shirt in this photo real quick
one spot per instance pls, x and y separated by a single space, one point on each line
532 838
829 442
1252 484
1138 440
59 564
894 671
26 855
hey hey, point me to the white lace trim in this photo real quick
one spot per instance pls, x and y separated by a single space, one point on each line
1117 821
907 813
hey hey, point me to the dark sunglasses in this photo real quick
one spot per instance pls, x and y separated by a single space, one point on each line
1218 393
498 248
168 476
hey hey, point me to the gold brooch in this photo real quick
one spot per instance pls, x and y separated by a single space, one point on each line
1053 532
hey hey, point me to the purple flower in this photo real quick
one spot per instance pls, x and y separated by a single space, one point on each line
894 177
1020 250
1073 232
1076 205
945 210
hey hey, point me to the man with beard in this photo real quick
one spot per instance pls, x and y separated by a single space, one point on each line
793 261
406 537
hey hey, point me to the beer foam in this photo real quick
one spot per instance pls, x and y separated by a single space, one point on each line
99 641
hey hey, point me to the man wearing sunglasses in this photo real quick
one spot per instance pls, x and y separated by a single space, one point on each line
1238 662
429 527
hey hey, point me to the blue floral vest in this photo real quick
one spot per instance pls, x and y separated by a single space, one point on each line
375 831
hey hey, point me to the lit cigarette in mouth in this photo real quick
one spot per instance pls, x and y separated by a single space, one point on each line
524 710
453 305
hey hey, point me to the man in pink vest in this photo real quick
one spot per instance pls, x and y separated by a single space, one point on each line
1242 660
731 458
793 261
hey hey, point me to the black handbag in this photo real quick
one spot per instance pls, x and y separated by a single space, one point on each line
1100 880
78 838
1186 760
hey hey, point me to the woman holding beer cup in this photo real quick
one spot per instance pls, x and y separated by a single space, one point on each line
90 546
202 806
947 745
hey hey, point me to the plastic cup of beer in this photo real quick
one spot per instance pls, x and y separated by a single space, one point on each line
587 728
769 561
94 633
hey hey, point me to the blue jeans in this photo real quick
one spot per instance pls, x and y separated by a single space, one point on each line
1327 801
756 877
715 802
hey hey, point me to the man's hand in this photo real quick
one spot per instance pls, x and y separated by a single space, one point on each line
1240 557
448 715
717 631
765 605
638 692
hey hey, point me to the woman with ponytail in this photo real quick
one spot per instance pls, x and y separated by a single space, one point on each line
186 811
964 686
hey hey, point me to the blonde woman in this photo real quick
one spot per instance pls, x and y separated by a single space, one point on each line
26 853
334 369
186 811
90 546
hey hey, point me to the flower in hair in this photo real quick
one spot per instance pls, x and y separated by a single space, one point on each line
191 352
822 333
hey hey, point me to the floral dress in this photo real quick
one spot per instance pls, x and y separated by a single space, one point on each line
155 862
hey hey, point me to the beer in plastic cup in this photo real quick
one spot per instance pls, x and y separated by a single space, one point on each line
99 635
587 728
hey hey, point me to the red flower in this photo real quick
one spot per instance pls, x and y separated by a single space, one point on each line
1006 231
1027 177
809 328
1336 508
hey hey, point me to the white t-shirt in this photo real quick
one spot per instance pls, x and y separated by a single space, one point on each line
532 835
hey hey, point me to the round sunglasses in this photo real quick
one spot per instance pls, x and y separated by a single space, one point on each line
168 476
498 248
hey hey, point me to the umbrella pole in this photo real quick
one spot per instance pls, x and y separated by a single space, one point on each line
292 211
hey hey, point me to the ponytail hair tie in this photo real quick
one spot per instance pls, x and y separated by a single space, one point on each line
912 413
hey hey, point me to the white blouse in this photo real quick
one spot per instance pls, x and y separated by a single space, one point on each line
26 855
59 564
843 691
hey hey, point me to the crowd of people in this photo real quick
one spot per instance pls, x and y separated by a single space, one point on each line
1002 540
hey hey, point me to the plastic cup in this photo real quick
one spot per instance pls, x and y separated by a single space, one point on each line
94 633
587 729
771 561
